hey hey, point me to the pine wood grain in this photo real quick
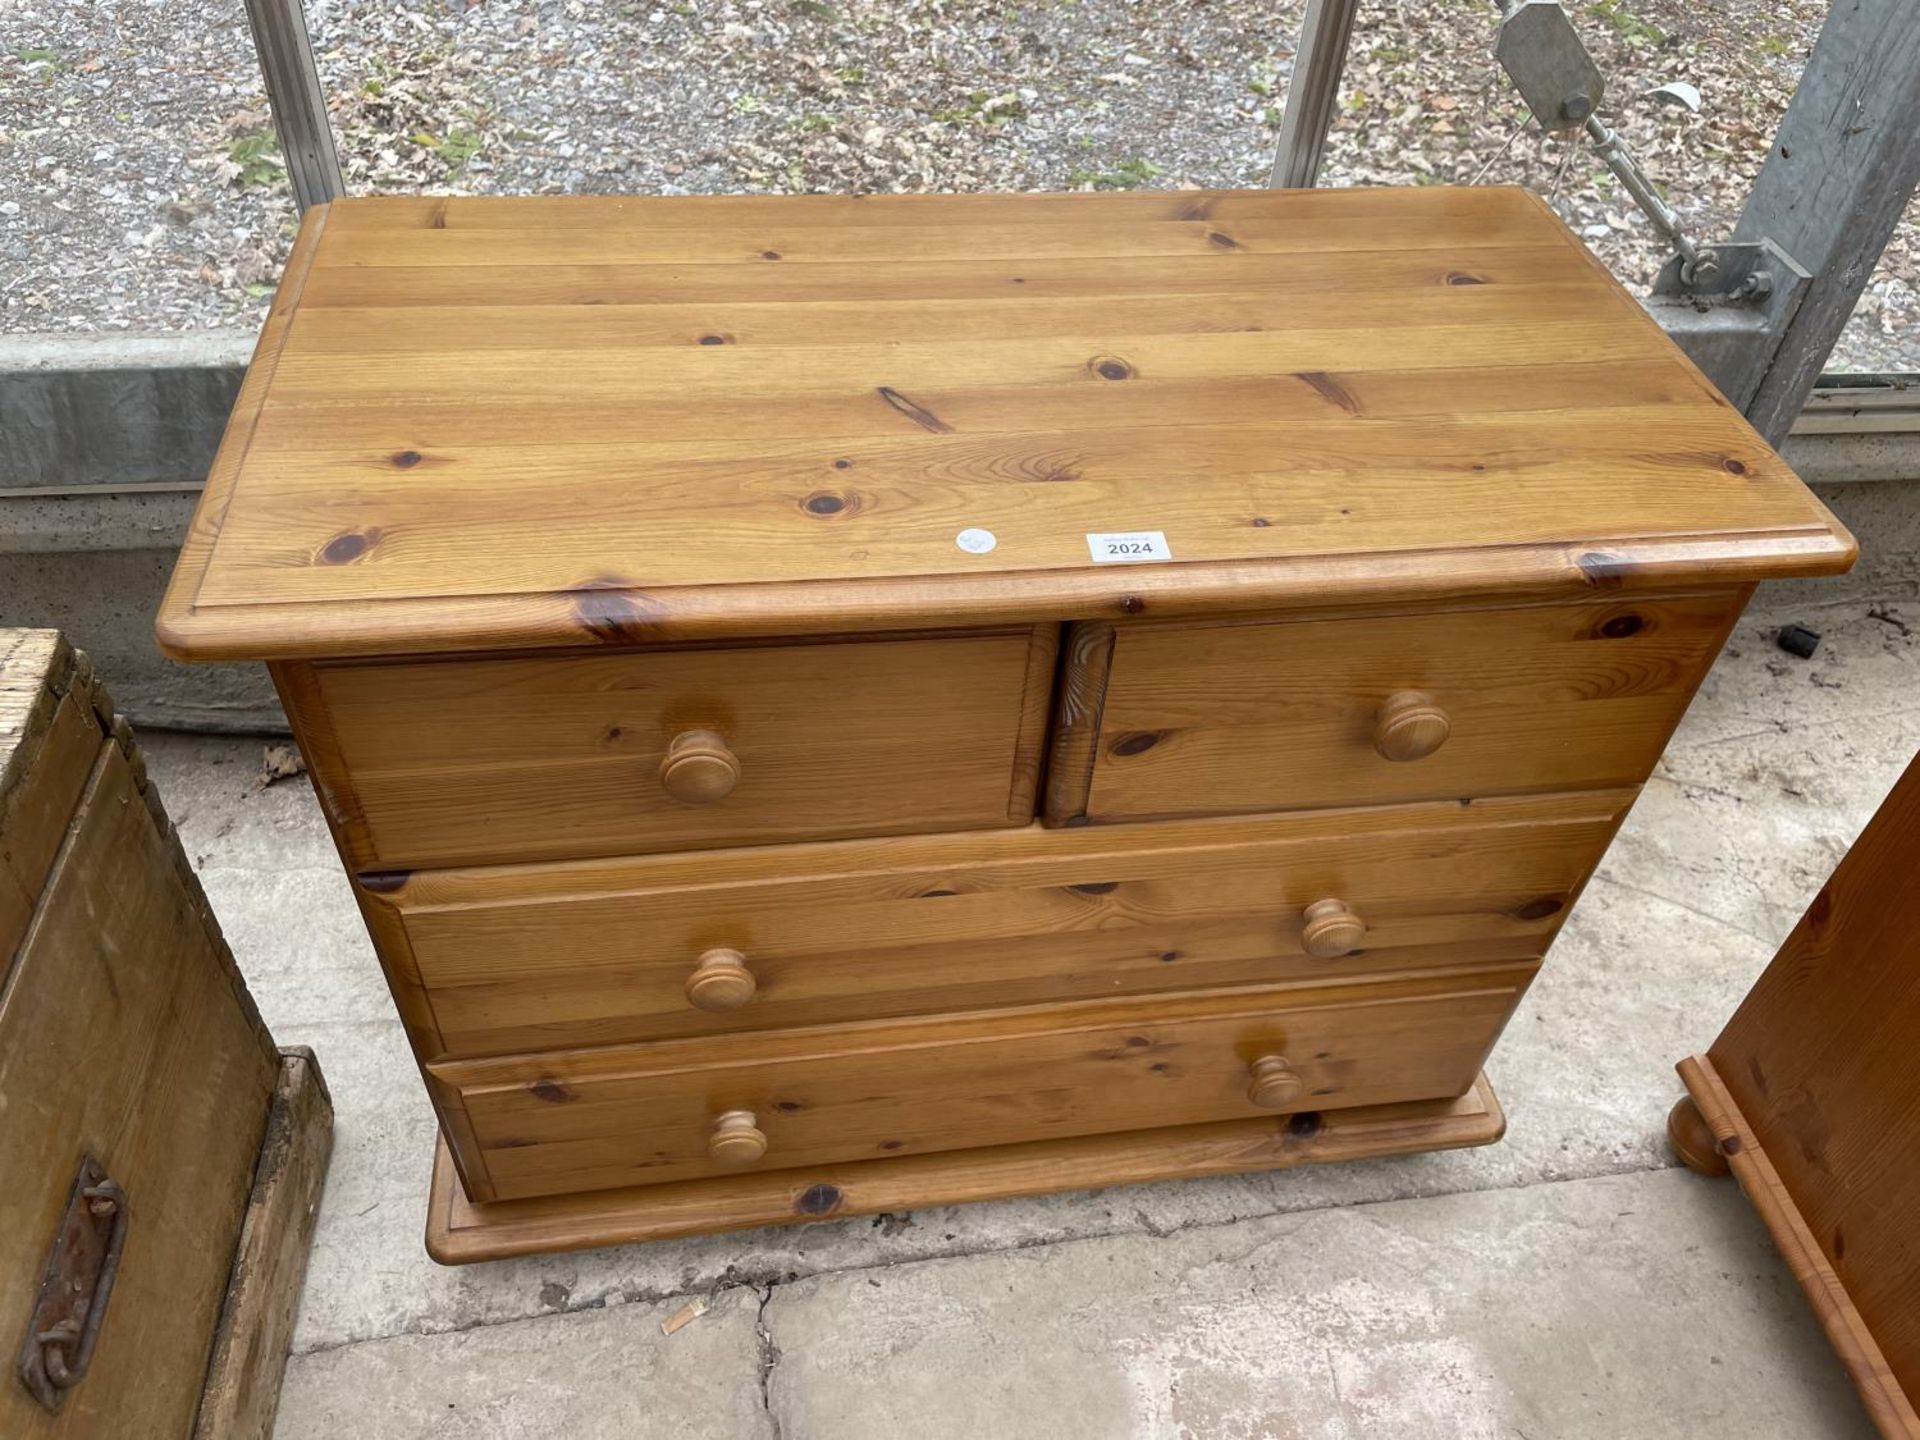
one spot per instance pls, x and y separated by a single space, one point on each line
1808 1253
461 1231
535 958
1246 715
485 426
1814 1079
594 1119
458 762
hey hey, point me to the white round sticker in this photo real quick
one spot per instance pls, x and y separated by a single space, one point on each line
975 542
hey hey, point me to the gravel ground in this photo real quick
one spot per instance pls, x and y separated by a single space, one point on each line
140 188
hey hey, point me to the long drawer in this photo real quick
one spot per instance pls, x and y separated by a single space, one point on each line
601 952
455 762
1237 715
631 1115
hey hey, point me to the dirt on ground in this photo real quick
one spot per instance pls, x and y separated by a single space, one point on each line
141 188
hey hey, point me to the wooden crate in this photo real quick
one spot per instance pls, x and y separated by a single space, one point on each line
149 1121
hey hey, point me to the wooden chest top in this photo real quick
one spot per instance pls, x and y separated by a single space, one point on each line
480 424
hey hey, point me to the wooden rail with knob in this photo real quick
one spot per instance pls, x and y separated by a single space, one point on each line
736 1139
1331 928
699 768
1410 726
1273 1083
720 981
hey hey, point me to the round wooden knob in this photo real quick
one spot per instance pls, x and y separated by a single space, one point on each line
736 1140
1332 929
699 768
720 981
1411 726
1274 1084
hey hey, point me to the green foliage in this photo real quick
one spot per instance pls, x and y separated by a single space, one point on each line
1127 175
257 157
1627 25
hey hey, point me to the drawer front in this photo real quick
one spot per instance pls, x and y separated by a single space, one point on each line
584 1120
553 757
1223 716
603 952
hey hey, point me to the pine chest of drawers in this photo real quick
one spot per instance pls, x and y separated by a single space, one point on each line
839 704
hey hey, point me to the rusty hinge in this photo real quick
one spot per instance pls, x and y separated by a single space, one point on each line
74 1291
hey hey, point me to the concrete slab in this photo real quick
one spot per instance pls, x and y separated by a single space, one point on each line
1643 1305
607 1372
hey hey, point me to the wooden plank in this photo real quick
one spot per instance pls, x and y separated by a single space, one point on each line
572 212
461 762
1512 267
242 1392
791 242
595 1119
540 957
1807 1254
120 1038
1243 715
414 470
50 737
461 1231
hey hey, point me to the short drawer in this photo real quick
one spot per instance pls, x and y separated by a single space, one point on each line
608 951
557 756
1249 715
585 1120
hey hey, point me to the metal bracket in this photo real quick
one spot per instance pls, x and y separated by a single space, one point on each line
75 1288
1732 325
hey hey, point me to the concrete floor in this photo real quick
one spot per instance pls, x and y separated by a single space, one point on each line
1566 1283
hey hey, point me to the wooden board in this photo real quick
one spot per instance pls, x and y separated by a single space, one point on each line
1198 717
50 735
1816 1071
121 1038
242 1392
489 424
1807 1252
461 1231
544 957
597 1119
460 762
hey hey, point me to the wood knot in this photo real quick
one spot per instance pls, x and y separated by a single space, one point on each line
1261 522
345 548
1132 604
384 882
769 254
937 894
1539 909
789 1107
1111 367
550 1090
1461 277
1167 957
1729 1146
817 1200
1220 240
825 502
1733 466
843 464
405 459
1096 887
716 339
1138 742
1620 627
1306 1124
